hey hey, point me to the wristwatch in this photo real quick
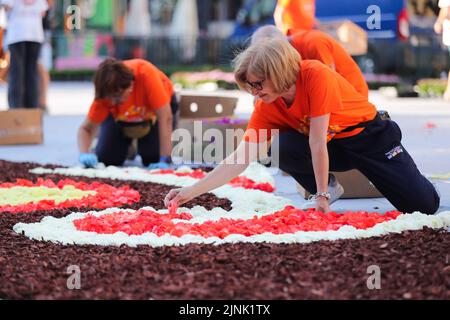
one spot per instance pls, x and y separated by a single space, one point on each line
326 195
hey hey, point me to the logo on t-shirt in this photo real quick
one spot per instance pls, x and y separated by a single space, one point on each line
136 114
305 125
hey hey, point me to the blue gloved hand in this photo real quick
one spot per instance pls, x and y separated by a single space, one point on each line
89 160
159 166
164 163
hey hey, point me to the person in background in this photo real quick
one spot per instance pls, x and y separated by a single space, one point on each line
295 14
24 38
4 54
323 125
45 57
133 100
317 45
442 20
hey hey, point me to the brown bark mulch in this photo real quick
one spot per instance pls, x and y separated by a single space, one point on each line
413 265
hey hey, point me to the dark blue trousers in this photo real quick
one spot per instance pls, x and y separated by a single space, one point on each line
112 146
23 78
377 153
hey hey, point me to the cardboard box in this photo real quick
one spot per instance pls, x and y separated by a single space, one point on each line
355 184
199 137
206 106
21 126
352 37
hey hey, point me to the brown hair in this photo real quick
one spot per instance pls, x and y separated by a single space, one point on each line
112 77
273 59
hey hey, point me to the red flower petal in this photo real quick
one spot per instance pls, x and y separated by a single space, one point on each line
106 196
239 182
289 220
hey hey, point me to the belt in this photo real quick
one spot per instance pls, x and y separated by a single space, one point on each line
381 115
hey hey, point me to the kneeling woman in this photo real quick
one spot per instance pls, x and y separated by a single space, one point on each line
133 100
324 125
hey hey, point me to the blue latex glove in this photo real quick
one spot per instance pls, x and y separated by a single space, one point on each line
89 160
164 163
158 166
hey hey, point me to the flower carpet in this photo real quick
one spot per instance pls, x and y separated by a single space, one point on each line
240 241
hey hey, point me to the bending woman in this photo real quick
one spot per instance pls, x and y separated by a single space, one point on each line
325 125
133 101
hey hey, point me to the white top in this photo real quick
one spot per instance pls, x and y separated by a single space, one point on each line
25 20
444 3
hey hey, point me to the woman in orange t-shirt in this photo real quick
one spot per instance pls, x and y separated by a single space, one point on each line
317 45
324 125
133 101
297 14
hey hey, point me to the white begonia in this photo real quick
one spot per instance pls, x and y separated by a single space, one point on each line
252 202
63 231
245 205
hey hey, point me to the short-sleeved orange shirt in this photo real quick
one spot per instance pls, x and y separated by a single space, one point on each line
319 91
317 45
297 14
152 90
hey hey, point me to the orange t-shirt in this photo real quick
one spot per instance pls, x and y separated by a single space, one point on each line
317 45
297 14
319 91
152 90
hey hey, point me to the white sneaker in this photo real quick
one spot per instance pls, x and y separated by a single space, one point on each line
334 188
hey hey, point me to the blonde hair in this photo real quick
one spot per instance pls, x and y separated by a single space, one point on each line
267 31
273 59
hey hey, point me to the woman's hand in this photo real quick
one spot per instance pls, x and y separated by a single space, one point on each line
443 15
179 196
322 204
438 27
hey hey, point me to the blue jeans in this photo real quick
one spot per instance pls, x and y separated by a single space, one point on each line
23 79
